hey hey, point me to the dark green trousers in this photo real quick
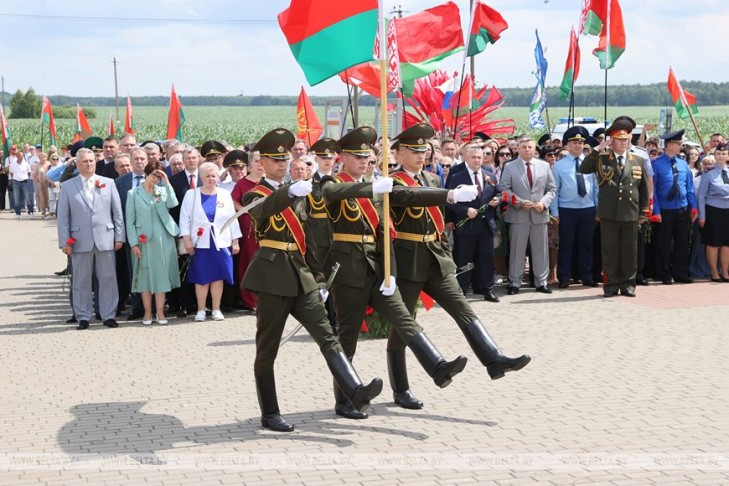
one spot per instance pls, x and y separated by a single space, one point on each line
351 302
271 314
619 241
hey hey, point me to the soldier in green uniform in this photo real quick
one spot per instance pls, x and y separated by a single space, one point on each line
356 236
284 284
622 204
425 263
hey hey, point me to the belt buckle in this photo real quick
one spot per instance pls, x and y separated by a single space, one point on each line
364 238
425 238
290 246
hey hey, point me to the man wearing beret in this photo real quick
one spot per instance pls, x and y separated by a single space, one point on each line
357 234
425 264
674 204
622 204
284 284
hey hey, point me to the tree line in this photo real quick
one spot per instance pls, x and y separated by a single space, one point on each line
27 105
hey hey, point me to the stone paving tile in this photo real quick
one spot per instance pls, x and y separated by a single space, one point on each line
620 391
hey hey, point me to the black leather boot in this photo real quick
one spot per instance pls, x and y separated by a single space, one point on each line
432 361
343 406
399 381
270 415
489 353
350 385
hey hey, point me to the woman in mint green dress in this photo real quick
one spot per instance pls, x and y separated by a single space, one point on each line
151 233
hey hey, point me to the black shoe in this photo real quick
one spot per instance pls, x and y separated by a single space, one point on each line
609 293
73 320
346 378
642 281
83 325
668 282
347 410
684 280
432 361
134 317
512 290
62 273
589 283
398 373
490 296
182 313
563 285
717 279
627 292
724 279
489 354
111 323
406 399
276 423
544 290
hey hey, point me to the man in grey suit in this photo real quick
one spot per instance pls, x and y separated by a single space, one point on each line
529 185
90 229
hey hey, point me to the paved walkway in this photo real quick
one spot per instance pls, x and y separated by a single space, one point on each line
620 391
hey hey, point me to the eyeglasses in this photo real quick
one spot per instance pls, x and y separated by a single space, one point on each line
504 154
550 154
487 152
310 164
54 158
445 166
391 166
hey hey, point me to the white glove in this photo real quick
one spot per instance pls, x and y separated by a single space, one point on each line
324 294
382 185
387 291
300 188
464 193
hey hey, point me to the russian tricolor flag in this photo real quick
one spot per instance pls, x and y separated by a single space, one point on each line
448 89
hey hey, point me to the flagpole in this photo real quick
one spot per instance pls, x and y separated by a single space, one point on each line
306 129
696 128
458 103
385 141
607 54
571 113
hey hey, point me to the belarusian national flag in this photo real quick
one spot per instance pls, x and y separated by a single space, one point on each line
426 38
683 100
606 18
486 26
571 68
308 127
83 129
329 36
5 132
47 117
129 118
176 117
111 129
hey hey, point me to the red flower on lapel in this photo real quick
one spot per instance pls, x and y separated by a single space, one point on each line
99 185
70 241
142 238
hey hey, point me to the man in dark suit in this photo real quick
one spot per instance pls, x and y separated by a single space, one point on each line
106 167
284 284
475 237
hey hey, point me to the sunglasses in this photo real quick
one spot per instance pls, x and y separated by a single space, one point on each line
310 164
446 166
487 152
54 158
550 154
504 154
391 166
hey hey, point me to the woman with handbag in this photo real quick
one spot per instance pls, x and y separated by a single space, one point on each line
151 233
203 213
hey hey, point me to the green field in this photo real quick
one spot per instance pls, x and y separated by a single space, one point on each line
239 125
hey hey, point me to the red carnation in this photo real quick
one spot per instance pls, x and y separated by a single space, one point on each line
70 241
142 238
655 218
514 200
369 310
505 197
694 211
200 231
99 185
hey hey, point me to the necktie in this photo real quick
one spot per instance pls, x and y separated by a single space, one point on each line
477 181
137 180
581 190
725 176
674 188
90 190
529 174
620 162
192 181
419 179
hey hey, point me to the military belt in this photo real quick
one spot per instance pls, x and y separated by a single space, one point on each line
279 245
318 215
352 238
416 237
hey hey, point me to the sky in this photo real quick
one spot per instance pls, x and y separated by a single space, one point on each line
228 47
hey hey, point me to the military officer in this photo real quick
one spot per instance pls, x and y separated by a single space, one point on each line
425 263
284 284
356 235
212 151
674 204
622 204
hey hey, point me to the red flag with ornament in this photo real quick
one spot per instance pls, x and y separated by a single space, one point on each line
309 127
83 129
129 118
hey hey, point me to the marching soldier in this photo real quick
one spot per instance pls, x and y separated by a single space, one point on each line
284 284
356 234
622 204
425 264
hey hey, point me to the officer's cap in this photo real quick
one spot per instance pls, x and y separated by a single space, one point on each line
275 144
415 137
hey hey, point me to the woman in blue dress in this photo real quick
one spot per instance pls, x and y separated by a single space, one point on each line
203 213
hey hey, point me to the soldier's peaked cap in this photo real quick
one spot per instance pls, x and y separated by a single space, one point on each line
416 137
275 144
324 148
359 141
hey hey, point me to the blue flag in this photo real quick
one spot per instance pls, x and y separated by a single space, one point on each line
539 97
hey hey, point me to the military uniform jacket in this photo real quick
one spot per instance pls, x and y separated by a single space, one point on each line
318 220
274 271
414 258
345 217
623 194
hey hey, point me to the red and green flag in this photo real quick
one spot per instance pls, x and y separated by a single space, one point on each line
486 27
83 129
425 39
329 36
176 117
47 117
684 101
129 118
5 132
604 17
571 68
